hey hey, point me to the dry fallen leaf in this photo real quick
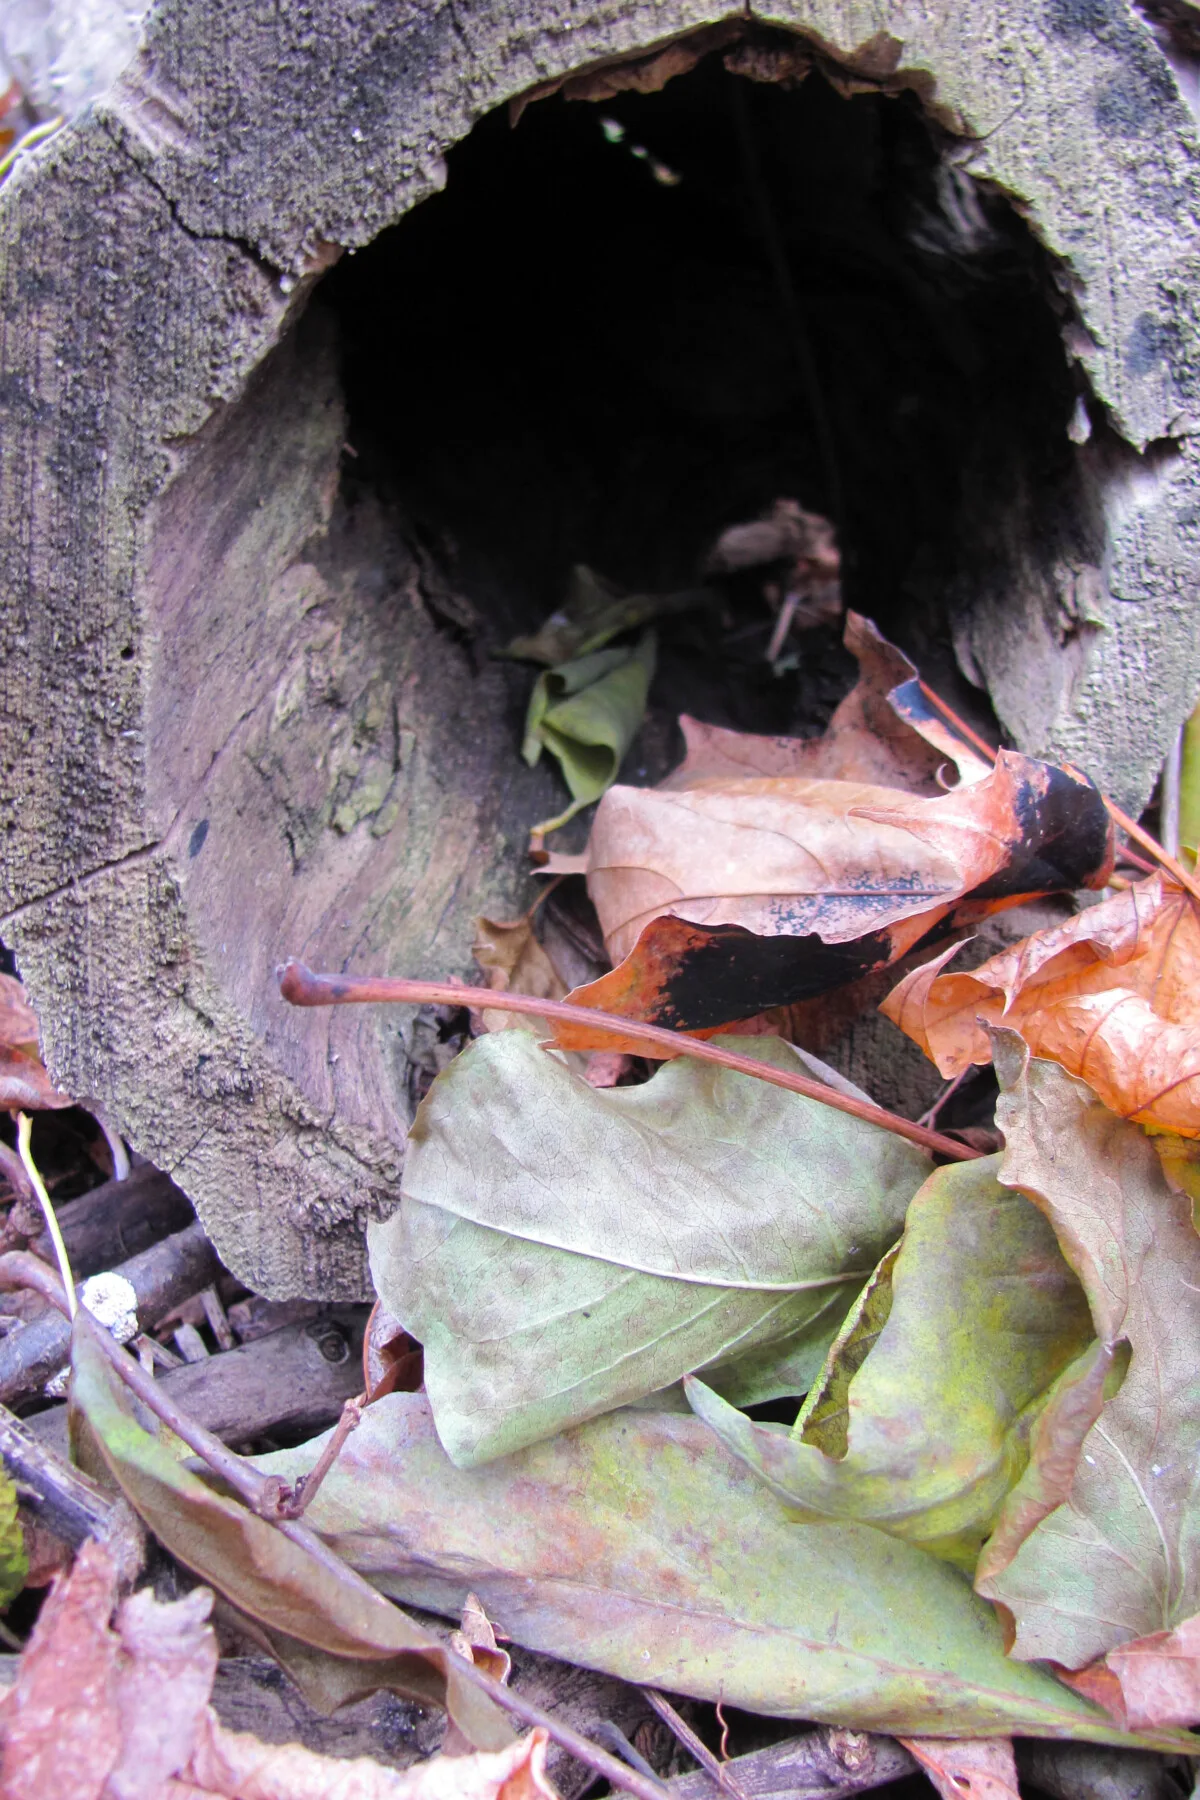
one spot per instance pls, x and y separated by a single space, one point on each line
24 1083
765 871
513 961
1113 995
1149 1681
967 1768
116 1707
1095 1547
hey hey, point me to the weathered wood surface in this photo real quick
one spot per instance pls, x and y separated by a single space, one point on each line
232 728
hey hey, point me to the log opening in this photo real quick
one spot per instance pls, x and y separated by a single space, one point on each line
581 351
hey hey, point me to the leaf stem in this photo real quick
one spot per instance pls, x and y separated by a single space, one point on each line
301 987
262 1494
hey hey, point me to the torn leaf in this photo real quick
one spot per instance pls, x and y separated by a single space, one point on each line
587 713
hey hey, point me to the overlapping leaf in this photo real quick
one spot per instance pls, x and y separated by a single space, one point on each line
1113 995
1100 1545
920 1422
560 1250
593 613
634 1545
332 1632
587 713
766 871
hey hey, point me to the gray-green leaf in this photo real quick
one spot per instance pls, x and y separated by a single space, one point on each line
561 1250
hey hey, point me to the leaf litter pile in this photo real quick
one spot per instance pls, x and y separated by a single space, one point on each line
693 1369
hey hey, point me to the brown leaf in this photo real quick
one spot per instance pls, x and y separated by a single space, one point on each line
236 1765
96 1712
1113 995
1149 1681
24 1083
967 1768
513 961
120 1711
729 896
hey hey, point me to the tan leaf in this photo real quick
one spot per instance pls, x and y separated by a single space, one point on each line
513 961
237 1765
967 1768
1113 995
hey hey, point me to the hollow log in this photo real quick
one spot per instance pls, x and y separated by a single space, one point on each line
292 441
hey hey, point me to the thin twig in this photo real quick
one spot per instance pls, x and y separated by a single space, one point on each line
301 987
783 624
1169 808
24 1128
293 1504
262 1494
951 1088
694 1745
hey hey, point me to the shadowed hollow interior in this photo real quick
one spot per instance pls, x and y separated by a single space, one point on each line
625 325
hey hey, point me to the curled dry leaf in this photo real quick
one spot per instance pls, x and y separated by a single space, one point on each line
587 713
1096 1546
114 1705
24 1083
968 1768
560 1250
636 1546
766 871
1113 995
919 1424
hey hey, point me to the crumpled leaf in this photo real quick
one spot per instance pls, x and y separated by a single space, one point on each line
594 613
1113 994
636 1546
96 1711
587 713
968 1768
920 1421
753 877
560 1250
24 1083
1116 1557
117 1708
330 1630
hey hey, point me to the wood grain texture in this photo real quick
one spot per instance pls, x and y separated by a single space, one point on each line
233 729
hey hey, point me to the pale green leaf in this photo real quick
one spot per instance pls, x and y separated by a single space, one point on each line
634 1545
561 1249
14 1563
920 1424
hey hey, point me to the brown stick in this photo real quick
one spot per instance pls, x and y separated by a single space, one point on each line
694 1745
262 1494
829 1764
293 1504
300 987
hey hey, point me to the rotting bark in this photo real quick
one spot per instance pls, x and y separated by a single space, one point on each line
240 726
